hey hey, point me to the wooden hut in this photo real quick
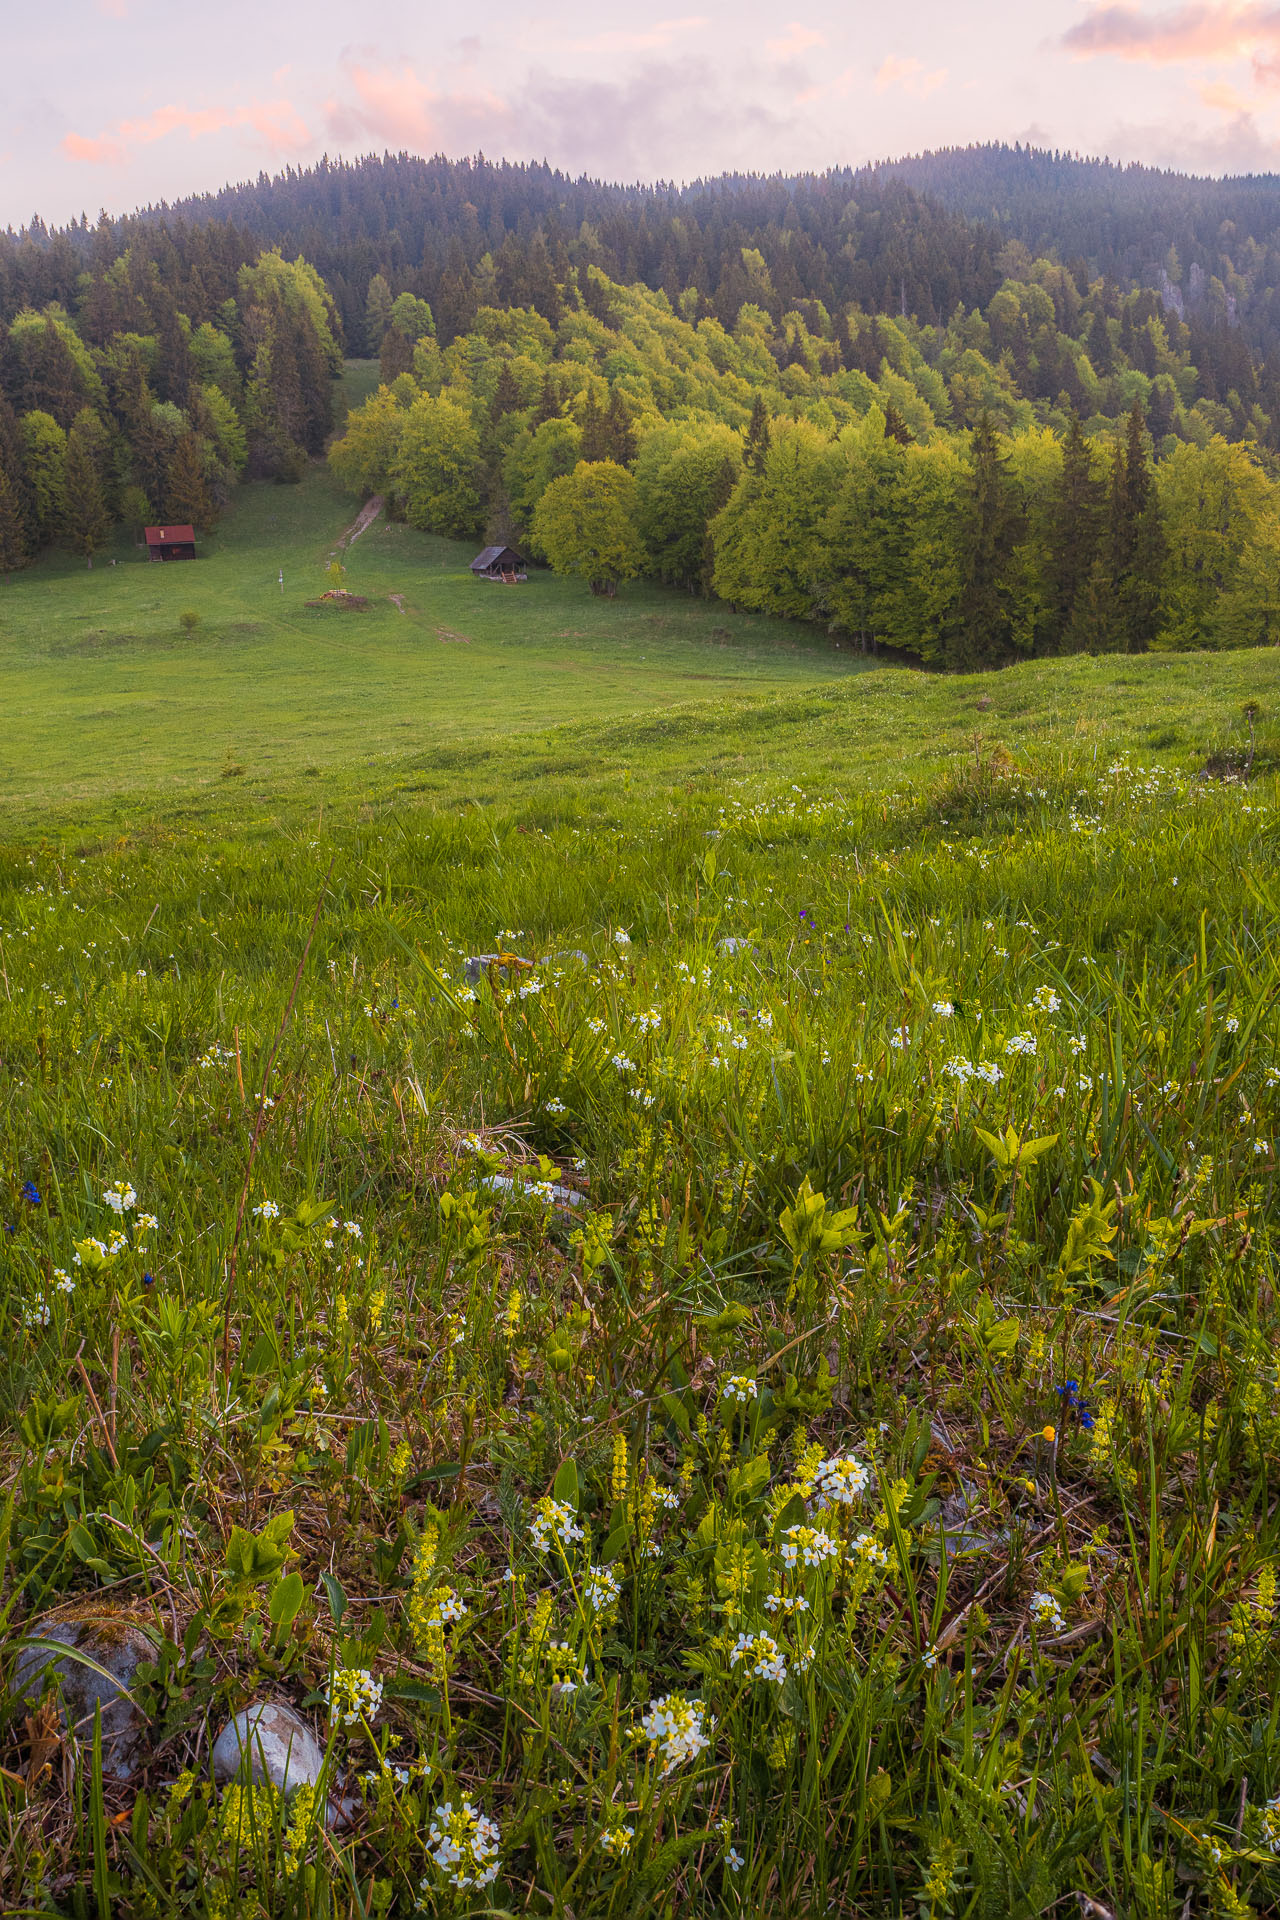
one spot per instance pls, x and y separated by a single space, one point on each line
500 563
170 543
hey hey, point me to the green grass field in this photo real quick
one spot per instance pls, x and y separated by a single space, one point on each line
102 694
768 1396
110 713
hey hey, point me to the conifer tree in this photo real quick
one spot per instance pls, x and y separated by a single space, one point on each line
506 394
596 438
991 523
13 549
84 505
187 498
621 436
377 312
756 448
1075 530
548 407
895 427
1126 592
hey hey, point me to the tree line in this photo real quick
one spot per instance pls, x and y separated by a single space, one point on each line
1211 246
169 374
916 238
908 486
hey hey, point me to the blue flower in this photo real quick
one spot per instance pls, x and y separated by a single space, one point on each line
148 1279
31 1193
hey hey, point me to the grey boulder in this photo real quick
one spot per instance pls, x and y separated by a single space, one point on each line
269 1742
116 1644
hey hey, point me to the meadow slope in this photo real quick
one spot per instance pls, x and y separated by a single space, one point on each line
762 1398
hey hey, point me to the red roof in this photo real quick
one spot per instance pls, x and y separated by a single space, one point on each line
166 536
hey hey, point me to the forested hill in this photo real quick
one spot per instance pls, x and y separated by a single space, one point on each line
462 234
1212 247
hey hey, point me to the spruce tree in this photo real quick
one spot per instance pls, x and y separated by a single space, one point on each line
548 407
506 394
187 498
377 313
622 439
1128 587
396 357
595 431
756 450
992 522
1075 531
86 519
13 546
1148 550
895 427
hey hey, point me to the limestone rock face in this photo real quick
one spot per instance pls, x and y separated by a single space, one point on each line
116 1644
268 1741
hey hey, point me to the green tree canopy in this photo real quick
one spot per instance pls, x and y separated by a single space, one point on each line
436 468
586 525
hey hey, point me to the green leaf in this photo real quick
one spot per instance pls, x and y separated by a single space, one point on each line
287 1597
335 1595
82 1542
793 1514
676 1412
615 1543
565 1485
746 1481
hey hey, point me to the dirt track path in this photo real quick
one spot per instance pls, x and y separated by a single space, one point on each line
364 519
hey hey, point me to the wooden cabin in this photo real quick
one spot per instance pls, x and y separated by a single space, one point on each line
500 563
170 543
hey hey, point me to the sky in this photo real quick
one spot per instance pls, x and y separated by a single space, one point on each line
120 103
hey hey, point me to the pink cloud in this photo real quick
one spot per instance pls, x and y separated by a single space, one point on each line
114 9
394 106
838 89
1181 33
277 123
650 40
797 39
910 76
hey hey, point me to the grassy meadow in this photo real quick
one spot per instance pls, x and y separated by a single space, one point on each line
764 1400
105 696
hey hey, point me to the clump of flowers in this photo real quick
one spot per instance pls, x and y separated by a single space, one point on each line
807 1546
553 1519
740 1388
616 1841
603 1589
840 1481
1046 1614
121 1198
675 1730
353 1695
463 1844
765 1655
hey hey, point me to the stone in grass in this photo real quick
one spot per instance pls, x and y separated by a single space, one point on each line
268 1741
558 1196
477 966
116 1644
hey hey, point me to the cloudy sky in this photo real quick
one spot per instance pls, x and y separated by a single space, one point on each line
116 103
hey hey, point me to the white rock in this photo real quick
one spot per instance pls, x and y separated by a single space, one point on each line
116 1644
559 1196
269 1742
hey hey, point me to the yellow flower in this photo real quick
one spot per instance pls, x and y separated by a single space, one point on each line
1050 1434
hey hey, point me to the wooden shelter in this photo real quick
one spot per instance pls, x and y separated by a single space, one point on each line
170 543
500 563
